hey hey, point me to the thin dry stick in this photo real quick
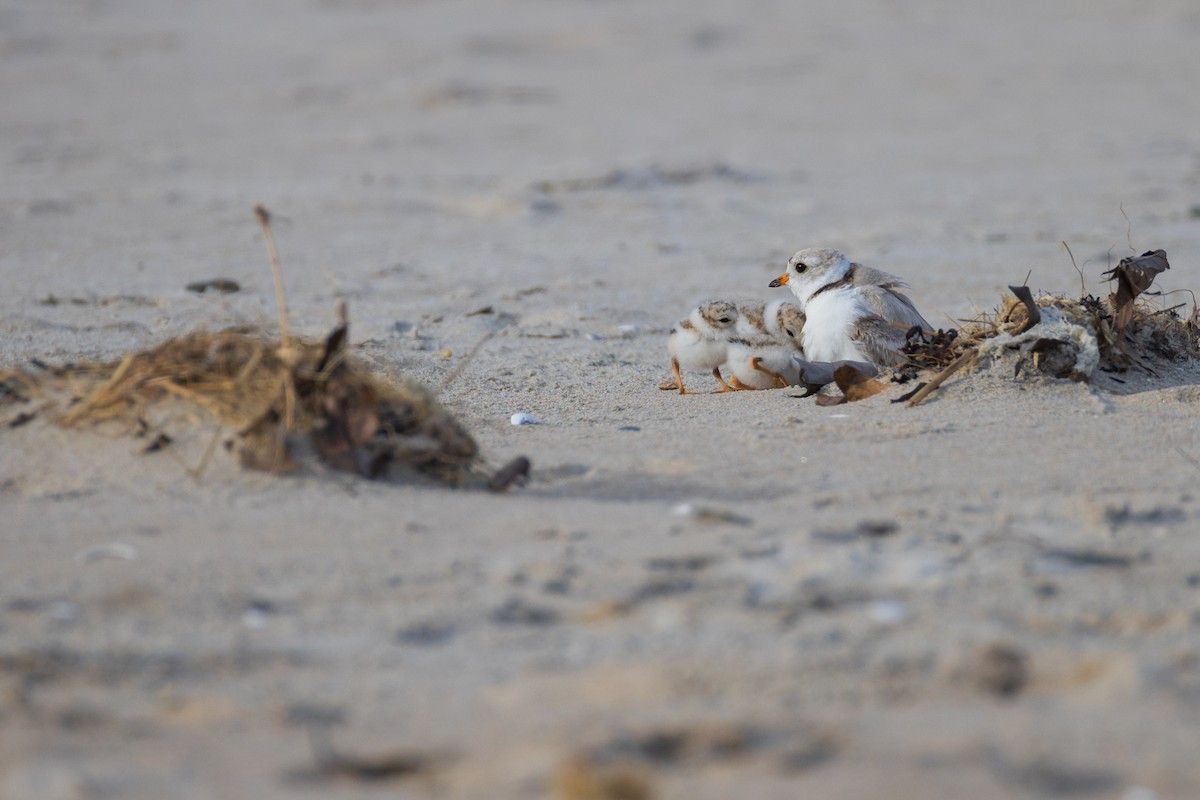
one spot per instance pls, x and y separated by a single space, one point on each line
1082 282
452 376
104 396
938 379
168 385
264 219
1190 459
289 390
1166 310
1189 291
1128 227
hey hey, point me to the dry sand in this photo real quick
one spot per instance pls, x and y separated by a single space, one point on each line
993 595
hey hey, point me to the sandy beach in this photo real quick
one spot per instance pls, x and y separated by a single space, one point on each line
994 594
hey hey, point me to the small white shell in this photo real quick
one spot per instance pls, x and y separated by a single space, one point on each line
524 418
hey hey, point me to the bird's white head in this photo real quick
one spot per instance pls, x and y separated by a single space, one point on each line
809 270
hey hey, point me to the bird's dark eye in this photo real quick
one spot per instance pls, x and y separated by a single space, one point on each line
801 267
724 320
791 334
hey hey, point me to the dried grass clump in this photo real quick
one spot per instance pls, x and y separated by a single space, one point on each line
1151 334
283 399
276 397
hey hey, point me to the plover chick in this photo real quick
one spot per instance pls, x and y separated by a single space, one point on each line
764 358
761 362
702 341
852 312
750 321
785 322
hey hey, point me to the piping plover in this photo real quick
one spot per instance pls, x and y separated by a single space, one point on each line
750 321
853 312
761 363
702 341
785 321
761 356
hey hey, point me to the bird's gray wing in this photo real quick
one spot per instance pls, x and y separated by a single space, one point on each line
869 276
893 306
879 340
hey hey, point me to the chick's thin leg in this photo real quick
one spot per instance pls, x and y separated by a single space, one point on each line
678 377
777 380
737 384
725 387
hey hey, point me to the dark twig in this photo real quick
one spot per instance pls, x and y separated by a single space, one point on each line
938 379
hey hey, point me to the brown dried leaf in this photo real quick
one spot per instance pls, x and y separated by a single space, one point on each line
350 414
856 384
1133 276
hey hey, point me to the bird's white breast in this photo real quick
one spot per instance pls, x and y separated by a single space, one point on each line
831 316
694 350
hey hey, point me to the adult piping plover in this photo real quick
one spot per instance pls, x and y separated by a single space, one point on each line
702 341
761 357
853 312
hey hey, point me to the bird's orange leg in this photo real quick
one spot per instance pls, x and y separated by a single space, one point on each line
777 380
678 377
725 387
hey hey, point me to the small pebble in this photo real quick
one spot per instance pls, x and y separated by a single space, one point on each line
888 612
64 611
524 418
255 617
446 354
222 285
706 514
115 550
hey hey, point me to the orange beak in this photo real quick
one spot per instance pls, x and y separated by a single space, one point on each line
780 281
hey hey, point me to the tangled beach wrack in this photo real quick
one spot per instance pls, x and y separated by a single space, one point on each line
288 402
1054 336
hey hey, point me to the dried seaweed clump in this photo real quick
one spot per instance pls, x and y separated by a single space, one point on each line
280 400
1070 338
1060 337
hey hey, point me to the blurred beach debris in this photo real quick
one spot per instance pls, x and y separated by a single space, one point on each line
285 399
1060 337
371 768
273 398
